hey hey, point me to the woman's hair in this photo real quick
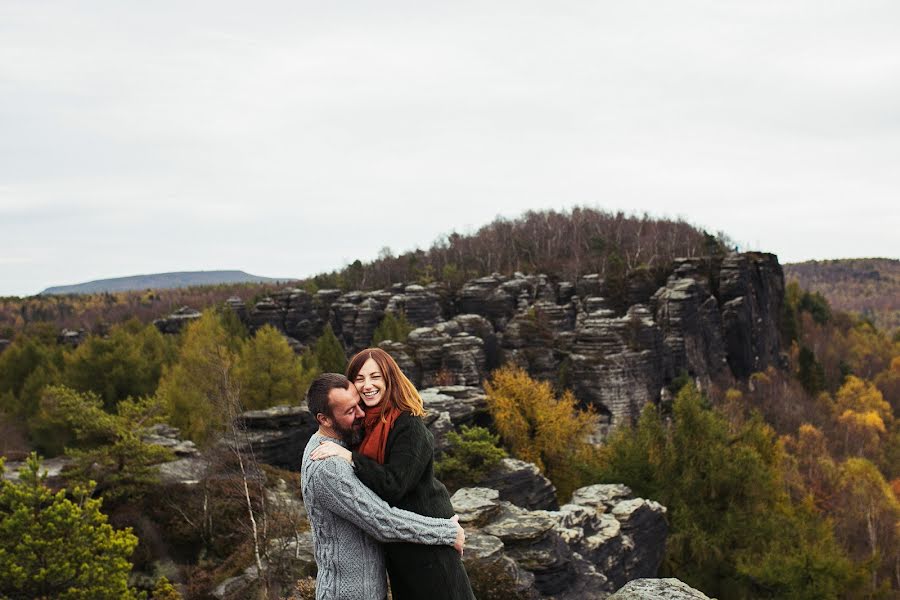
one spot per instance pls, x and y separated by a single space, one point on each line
399 391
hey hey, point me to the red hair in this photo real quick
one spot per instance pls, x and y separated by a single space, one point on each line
399 392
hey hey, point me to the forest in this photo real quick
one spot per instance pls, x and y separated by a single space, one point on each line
785 485
868 287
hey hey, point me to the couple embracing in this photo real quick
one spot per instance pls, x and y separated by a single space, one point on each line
368 477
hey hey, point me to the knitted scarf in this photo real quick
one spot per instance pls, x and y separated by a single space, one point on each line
377 431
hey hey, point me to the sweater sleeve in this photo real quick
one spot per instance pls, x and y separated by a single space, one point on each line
411 451
339 490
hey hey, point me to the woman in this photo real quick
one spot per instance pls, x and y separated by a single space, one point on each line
395 460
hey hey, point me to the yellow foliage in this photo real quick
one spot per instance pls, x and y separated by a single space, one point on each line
538 427
861 396
865 420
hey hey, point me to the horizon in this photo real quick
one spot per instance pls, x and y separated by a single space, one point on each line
298 139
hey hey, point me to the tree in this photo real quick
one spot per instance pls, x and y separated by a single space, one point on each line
128 362
26 367
392 327
862 416
532 421
473 452
108 448
810 374
329 353
53 547
189 387
867 516
734 531
269 373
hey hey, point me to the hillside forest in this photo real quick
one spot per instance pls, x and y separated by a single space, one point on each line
783 485
868 287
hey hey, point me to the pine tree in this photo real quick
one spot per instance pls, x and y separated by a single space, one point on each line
269 373
53 547
734 530
329 353
107 448
189 389
392 327
128 362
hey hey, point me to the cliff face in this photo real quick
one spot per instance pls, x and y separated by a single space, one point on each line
713 320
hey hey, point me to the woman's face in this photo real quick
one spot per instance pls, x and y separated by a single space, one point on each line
370 383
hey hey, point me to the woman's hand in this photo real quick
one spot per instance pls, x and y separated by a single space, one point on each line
327 449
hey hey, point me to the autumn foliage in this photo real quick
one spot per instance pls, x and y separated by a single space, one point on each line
539 427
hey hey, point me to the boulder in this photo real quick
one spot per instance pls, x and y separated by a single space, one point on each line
466 405
658 589
169 437
522 484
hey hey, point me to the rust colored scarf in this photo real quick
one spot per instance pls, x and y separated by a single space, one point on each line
377 431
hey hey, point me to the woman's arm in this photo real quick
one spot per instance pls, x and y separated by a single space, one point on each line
411 451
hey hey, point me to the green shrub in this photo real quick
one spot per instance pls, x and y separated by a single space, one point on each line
472 453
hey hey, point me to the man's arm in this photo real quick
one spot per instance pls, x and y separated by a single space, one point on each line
410 453
341 491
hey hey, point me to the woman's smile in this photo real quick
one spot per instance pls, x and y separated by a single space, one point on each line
370 383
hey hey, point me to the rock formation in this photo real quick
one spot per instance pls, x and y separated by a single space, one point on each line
657 589
713 319
175 322
586 549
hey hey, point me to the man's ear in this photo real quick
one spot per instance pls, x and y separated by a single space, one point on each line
323 419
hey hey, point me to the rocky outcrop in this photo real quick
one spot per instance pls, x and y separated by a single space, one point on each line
175 322
751 293
522 484
688 315
589 547
169 437
71 337
658 589
466 405
617 348
4 344
277 435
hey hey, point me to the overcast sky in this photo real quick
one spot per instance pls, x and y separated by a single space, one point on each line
289 138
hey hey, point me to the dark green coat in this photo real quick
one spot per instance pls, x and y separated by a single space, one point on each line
406 480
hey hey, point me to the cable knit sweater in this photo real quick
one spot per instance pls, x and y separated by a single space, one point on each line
348 520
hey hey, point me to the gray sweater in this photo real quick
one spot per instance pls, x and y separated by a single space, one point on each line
348 520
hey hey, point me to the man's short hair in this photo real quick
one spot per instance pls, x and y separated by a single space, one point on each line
317 395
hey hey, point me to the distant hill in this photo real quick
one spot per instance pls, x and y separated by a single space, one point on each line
159 281
867 286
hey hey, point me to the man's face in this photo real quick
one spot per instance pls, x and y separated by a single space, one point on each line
346 418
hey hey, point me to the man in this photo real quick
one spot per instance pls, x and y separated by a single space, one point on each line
348 519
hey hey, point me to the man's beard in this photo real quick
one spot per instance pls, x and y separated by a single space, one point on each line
352 435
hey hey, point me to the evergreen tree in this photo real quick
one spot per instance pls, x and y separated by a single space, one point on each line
26 367
328 352
735 532
191 388
811 374
473 452
392 327
128 362
107 448
269 373
52 547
